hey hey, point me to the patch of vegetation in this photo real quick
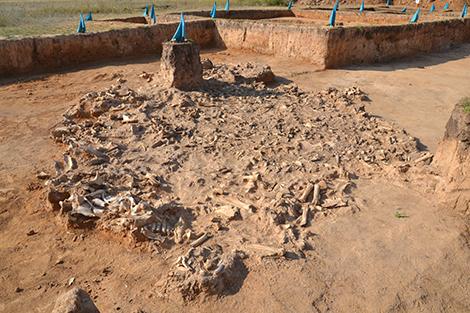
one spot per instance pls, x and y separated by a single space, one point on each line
399 214
465 102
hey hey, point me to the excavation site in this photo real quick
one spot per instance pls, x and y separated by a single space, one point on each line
311 156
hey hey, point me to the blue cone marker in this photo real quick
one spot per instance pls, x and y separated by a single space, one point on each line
464 11
415 17
89 17
214 10
433 8
227 6
389 2
180 34
361 8
446 6
153 17
289 6
81 25
332 17
146 10
403 10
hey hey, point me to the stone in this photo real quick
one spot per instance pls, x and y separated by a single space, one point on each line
58 132
55 197
181 65
75 300
207 64
256 72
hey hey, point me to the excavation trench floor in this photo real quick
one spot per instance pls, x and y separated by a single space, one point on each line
370 261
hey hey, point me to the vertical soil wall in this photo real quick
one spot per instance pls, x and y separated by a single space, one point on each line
353 17
324 46
373 44
47 53
301 42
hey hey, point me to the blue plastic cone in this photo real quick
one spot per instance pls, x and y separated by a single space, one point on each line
446 6
415 17
389 2
146 10
214 10
180 34
332 17
227 6
89 17
361 8
464 11
153 17
403 10
81 25
433 8
289 5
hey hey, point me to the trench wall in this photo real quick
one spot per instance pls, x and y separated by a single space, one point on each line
324 46
293 41
40 54
374 44
354 17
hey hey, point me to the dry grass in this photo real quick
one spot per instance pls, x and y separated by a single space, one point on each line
37 17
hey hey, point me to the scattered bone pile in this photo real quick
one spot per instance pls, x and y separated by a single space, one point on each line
237 163
206 270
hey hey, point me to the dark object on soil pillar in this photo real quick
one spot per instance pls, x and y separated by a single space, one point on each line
181 65
453 159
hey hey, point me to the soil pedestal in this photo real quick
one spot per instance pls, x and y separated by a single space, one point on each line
181 65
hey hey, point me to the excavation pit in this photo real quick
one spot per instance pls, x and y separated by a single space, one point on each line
245 185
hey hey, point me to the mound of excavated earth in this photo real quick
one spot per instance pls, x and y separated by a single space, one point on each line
236 169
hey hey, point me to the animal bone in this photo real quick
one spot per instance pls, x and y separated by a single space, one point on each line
306 209
425 157
306 193
237 203
200 240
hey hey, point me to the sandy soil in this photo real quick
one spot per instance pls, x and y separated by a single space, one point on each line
366 262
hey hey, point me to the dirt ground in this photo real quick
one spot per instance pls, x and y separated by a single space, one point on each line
367 262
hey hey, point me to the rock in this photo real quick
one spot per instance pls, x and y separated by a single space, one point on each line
181 65
256 72
228 212
31 232
207 64
55 197
75 300
43 175
265 75
58 132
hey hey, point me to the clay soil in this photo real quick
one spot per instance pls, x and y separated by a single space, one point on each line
369 261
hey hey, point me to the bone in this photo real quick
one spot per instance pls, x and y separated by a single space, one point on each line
306 208
236 203
200 240
306 193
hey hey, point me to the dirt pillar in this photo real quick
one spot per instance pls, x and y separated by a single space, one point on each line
181 65
453 158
